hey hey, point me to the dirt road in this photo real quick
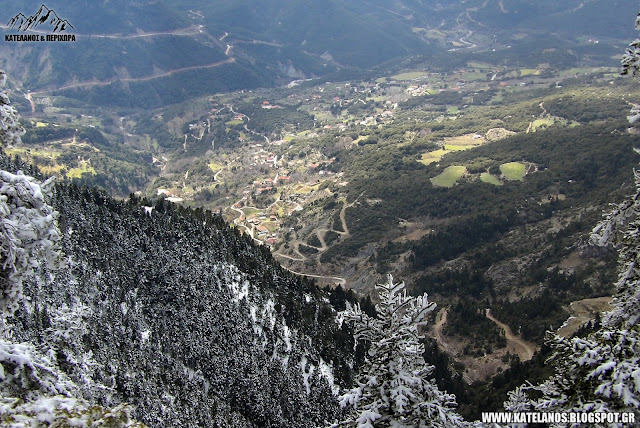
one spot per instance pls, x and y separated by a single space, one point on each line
441 320
514 343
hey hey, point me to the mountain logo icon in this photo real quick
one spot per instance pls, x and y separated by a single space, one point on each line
44 15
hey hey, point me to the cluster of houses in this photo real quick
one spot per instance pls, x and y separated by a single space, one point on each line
268 106
256 224
417 90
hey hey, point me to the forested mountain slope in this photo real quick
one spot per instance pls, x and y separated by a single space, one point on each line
182 317
153 53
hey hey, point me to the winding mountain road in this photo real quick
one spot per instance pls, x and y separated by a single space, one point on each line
320 233
187 31
338 279
33 105
133 79
521 348
190 31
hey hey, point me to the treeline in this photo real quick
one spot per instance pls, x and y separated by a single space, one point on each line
448 243
40 134
470 281
532 317
585 109
266 121
467 318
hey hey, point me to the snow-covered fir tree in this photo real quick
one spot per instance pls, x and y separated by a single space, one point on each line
34 391
161 315
28 231
631 58
631 67
10 128
393 388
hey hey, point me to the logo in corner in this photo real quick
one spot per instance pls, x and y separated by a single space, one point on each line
45 16
42 16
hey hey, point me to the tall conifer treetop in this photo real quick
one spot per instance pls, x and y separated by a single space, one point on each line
393 387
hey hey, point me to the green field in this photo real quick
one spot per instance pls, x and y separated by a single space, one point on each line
432 157
480 65
458 148
408 76
25 152
234 122
361 138
529 72
215 167
486 177
305 188
81 169
449 176
513 170
271 226
540 123
456 144
436 35
249 211
470 76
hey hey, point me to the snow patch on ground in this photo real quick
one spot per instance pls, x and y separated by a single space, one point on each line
269 314
287 336
307 371
258 330
567 322
263 319
339 319
240 289
327 373
283 345
233 280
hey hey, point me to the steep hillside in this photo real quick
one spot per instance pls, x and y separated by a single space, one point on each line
127 54
565 18
153 53
359 34
177 314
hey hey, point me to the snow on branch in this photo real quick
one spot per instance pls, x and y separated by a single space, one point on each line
10 128
393 388
29 233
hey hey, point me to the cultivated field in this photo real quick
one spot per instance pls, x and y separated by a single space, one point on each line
513 170
449 176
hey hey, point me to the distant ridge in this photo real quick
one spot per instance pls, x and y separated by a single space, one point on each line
43 15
